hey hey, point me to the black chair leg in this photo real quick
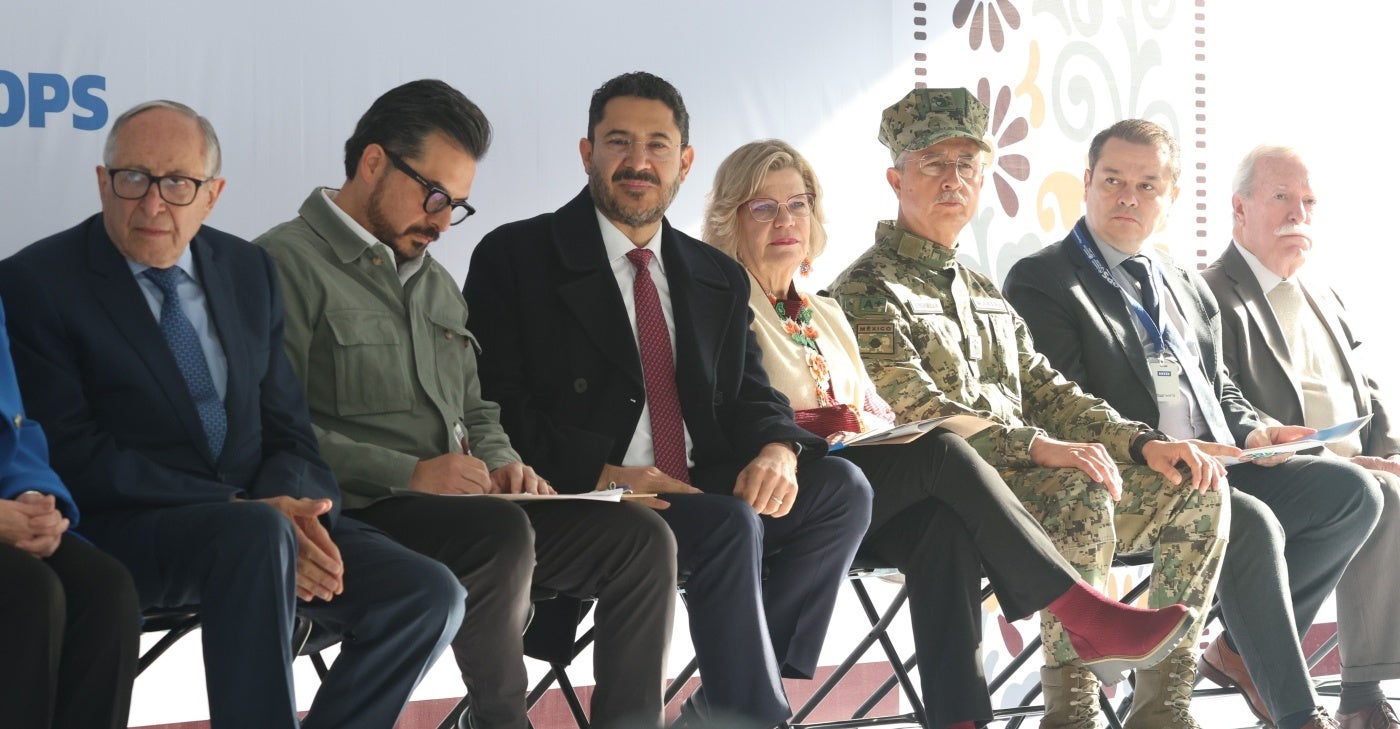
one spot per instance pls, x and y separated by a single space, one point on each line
570 696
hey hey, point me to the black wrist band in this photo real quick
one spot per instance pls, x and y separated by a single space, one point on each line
1142 439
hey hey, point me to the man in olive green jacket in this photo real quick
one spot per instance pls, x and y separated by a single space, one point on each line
376 330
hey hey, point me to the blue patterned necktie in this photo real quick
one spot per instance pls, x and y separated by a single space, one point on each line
189 355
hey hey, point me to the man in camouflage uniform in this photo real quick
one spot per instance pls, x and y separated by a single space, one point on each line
939 339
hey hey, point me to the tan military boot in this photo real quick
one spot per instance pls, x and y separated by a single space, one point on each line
1162 697
1071 698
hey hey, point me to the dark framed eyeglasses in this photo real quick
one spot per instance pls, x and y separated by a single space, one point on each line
437 198
177 190
765 209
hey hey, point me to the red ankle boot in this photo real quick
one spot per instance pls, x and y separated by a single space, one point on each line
1112 638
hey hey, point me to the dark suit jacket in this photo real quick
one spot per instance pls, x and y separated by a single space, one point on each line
560 357
1083 325
1257 352
123 430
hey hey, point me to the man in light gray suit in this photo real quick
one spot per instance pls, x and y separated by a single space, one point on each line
1293 354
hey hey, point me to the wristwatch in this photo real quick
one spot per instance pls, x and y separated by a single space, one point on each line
1141 439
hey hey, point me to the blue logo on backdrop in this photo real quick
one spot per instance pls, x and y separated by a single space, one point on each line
42 96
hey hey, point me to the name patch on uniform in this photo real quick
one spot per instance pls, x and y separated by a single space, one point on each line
875 338
989 305
925 305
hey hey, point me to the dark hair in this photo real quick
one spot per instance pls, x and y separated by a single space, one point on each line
642 85
404 116
1139 131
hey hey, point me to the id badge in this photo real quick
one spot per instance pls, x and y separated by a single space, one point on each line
1166 379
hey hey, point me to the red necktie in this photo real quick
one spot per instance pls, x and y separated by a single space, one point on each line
658 367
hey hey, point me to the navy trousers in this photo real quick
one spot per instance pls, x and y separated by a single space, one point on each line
748 634
237 562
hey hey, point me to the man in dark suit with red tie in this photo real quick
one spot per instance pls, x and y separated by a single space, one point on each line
619 351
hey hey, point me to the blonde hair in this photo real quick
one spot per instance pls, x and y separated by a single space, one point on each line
739 176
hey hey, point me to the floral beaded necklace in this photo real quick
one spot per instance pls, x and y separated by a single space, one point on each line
802 330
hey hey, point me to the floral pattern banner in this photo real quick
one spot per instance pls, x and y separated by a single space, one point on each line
1054 73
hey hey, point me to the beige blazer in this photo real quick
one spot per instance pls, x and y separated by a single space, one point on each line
786 361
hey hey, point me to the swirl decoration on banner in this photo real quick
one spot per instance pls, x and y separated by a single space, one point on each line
1083 74
1096 82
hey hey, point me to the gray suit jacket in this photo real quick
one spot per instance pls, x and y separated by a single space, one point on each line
1255 351
1081 323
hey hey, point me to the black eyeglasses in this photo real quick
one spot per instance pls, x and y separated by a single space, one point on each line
437 198
177 190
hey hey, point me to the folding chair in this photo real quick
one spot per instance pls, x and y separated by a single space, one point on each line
880 621
178 622
558 673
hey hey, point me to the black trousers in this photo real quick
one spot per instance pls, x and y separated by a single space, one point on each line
944 518
622 554
750 633
237 562
73 632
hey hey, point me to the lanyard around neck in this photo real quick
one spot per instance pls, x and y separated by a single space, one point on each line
1092 253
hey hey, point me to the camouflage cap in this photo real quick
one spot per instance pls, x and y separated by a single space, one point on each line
925 117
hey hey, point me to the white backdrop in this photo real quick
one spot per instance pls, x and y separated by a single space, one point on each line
284 83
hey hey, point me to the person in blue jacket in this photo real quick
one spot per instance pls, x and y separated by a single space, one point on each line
69 612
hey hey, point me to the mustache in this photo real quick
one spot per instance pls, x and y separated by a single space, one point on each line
952 196
427 231
642 175
1300 229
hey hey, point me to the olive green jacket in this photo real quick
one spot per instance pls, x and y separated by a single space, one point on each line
390 370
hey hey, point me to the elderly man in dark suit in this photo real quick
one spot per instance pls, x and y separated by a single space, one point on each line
619 351
151 349
1117 316
1292 350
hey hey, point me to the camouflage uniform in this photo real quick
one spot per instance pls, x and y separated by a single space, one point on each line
910 304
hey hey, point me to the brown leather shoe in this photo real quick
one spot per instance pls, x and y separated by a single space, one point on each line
1322 720
1379 715
1225 667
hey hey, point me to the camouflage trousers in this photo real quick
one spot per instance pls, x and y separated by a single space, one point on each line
1186 532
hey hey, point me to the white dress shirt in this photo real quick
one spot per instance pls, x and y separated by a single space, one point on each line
1181 418
617 245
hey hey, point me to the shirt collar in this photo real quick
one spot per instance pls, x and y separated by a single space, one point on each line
1267 279
1112 257
184 263
362 233
907 245
617 244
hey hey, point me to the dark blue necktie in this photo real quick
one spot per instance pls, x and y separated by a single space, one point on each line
189 355
1140 267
